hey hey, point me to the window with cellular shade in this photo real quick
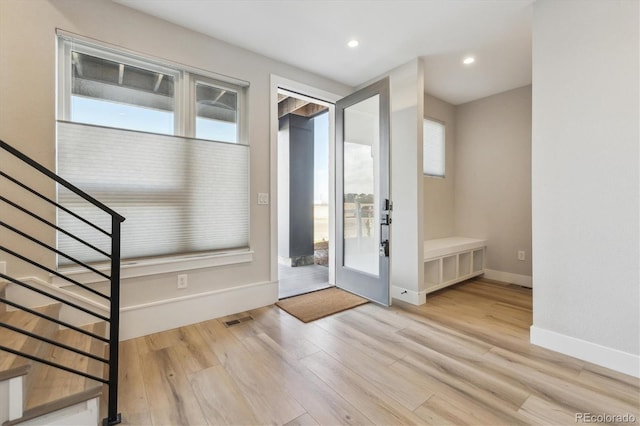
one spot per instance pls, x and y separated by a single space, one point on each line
163 146
179 195
433 148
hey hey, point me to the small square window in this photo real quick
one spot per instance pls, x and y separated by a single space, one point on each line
216 113
433 153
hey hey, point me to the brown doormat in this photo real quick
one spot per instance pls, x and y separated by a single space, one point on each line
319 304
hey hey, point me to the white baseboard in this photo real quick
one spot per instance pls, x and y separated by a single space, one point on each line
508 277
409 296
147 318
140 320
592 352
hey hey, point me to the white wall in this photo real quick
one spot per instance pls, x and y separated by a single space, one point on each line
438 192
493 180
27 120
407 112
586 180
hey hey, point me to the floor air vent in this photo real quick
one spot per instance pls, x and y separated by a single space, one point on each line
236 321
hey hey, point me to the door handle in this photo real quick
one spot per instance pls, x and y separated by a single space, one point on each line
384 248
385 220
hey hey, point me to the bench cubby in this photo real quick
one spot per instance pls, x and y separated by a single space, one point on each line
453 259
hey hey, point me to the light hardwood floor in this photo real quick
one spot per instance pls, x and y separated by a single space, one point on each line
463 358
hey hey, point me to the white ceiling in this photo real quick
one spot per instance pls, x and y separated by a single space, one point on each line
312 35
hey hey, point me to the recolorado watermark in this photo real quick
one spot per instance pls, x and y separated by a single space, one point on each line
605 418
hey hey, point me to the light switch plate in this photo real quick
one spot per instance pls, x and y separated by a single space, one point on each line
263 198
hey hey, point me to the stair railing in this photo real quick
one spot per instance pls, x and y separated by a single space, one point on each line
113 298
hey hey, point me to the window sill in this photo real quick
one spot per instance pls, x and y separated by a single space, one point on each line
143 268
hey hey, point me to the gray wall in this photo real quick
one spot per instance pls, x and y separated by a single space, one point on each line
586 173
438 192
492 197
295 186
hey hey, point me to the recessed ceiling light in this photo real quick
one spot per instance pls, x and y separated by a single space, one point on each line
353 43
469 60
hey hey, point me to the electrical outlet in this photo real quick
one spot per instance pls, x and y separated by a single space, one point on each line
263 198
521 255
182 281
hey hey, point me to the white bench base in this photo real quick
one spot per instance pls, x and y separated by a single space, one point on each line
451 260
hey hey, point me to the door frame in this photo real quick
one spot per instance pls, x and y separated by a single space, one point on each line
318 96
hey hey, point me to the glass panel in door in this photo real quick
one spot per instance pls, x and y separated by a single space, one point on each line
361 197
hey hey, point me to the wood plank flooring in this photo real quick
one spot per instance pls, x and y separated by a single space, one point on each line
464 358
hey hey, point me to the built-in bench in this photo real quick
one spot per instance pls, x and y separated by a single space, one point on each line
451 260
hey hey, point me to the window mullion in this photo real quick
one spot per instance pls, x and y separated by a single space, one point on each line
187 101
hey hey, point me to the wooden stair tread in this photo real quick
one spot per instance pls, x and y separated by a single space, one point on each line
48 384
13 365
47 388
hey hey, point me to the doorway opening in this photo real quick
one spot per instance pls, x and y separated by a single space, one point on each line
304 196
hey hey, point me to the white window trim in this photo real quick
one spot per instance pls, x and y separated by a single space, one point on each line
154 266
76 38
